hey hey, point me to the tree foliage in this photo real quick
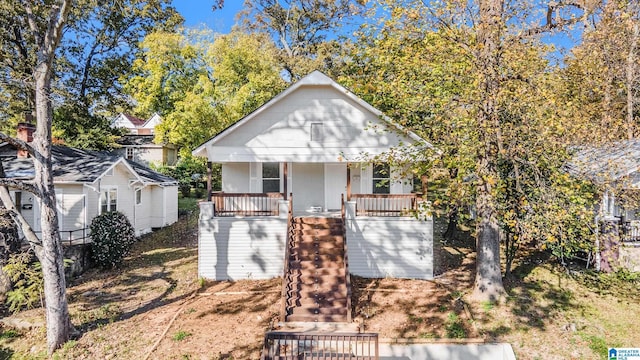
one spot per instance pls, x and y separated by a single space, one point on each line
303 30
201 85
484 94
97 48
112 236
28 282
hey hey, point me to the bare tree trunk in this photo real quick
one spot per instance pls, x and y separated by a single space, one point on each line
47 37
488 282
57 312
631 69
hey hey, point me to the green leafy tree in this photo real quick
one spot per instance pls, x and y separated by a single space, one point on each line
96 49
77 127
28 283
201 87
464 76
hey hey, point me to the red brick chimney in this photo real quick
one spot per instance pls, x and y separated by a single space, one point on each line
25 133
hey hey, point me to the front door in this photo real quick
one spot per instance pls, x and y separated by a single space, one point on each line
335 184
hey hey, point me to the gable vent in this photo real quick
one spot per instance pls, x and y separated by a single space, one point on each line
317 131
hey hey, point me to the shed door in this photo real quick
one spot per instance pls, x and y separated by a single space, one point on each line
335 184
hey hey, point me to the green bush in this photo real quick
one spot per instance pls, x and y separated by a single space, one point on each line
28 284
112 236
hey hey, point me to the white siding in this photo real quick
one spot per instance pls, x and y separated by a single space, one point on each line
171 205
283 131
235 177
126 194
92 201
390 247
144 211
241 248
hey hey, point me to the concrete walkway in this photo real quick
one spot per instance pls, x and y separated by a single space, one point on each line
446 352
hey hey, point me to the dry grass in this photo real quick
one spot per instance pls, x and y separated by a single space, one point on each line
155 307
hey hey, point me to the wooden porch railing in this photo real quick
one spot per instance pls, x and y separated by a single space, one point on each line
246 204
287 277
386 204
346 257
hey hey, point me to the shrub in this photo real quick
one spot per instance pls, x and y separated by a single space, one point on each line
28 284
112 236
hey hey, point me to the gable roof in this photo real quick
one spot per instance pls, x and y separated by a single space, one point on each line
71 165
135 122
606 163
315 78
152 122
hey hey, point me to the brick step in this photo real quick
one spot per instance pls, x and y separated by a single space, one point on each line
320 238
310 265
320 232
297 273
317 318
325 292
322 258
317 289
334 303
317 220
341 311
317 292
311 249
312 279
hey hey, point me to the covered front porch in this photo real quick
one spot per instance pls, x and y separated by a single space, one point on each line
258 189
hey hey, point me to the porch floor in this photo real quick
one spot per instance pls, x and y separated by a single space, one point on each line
308 213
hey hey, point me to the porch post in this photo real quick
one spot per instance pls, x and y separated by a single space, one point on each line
284 175
209 174
348 182
423 180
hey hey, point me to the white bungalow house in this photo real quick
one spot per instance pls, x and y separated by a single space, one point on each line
306 154
88 183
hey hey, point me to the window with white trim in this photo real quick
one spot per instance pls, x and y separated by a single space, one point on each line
108 200
138 196
381 179
270 177
131 153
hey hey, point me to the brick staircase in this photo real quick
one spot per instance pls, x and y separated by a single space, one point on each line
316 286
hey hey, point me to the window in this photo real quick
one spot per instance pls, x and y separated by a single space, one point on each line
138 196
317 131
108 200
381 179
270 177
131 152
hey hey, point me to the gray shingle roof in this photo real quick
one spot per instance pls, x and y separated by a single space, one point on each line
75 165
606 163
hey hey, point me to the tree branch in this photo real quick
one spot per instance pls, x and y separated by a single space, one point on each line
20 185
17 143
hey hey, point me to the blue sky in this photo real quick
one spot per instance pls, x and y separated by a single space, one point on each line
198 12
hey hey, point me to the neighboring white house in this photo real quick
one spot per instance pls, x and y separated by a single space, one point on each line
89 183
315 141
139 144
615 169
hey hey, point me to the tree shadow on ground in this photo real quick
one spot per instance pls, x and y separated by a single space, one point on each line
146 271
532 301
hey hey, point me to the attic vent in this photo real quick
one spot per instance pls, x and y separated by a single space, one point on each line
317 131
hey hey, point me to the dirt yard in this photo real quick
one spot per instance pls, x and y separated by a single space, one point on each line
155 307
